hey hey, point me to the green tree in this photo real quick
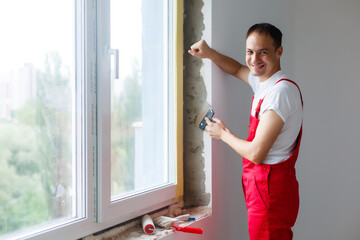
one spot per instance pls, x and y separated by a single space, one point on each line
22 199
53 122
35 153
126 110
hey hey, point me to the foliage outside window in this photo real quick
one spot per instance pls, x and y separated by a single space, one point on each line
37 153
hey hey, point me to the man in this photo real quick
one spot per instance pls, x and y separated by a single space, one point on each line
269 154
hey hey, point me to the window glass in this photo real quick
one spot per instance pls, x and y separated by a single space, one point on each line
139 98
37 114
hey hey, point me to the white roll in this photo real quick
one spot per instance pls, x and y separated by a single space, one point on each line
148 224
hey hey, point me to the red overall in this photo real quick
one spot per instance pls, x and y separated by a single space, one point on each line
271 191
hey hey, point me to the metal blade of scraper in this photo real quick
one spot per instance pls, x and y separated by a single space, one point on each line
204 111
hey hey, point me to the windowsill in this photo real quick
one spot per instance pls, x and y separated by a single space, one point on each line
134 229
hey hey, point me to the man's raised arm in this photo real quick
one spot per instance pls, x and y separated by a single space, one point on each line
231 66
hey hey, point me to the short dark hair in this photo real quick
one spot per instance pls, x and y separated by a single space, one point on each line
268 29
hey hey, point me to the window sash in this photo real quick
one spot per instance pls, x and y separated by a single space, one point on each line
72 227
130 206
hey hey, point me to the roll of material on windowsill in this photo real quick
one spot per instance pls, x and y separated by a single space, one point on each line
147 224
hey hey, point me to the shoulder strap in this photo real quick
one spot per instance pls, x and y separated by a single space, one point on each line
284 79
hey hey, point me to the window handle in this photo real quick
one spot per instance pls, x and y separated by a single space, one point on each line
115 52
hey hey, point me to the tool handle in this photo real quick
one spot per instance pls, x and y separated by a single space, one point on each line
188 229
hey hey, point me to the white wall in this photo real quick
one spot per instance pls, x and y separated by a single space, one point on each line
327 66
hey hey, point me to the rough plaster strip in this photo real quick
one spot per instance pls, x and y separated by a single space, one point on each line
194 97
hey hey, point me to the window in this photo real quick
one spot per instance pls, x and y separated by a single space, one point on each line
90 114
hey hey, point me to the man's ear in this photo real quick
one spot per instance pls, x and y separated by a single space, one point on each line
279 52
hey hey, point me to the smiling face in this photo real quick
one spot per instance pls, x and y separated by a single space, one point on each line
262 58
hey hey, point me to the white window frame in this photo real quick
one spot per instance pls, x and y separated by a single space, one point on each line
92 64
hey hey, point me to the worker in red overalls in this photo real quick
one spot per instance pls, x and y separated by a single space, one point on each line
269 153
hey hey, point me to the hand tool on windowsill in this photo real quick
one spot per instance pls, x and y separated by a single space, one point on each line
204 111
149 226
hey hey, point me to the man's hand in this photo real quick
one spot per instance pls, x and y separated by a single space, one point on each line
200 49
215 129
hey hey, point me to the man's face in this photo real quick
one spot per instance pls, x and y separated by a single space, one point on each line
261 57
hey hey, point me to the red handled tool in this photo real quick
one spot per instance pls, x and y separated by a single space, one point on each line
188 229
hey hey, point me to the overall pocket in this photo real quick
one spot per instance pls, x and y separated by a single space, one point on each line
255 192
262 187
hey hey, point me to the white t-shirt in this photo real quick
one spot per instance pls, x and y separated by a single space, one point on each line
284 99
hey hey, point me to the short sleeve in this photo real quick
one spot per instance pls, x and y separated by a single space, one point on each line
281 100
251 81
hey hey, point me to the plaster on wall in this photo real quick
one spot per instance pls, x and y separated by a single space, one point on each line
194 96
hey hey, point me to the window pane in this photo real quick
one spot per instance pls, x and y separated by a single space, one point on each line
139 100
37 121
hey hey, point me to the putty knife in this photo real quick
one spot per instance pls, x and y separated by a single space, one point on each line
204 111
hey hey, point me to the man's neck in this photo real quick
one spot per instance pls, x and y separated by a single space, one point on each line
265 78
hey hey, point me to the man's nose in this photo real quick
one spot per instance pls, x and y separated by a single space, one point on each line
255 57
